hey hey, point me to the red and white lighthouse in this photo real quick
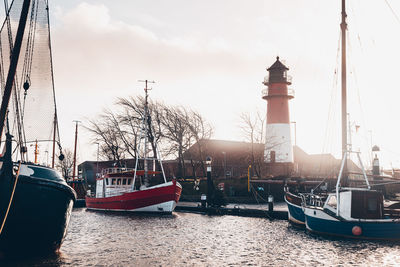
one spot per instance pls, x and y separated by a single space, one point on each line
278 143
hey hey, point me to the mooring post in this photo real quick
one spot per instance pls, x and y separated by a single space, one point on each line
210 184
270 203
203 199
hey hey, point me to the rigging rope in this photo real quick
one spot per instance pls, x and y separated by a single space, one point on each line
393 12
332 108
11 198
18 118
27 67
357 87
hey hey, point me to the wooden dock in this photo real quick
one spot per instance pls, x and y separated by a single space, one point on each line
279 212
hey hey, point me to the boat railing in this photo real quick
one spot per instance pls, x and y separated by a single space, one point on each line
116 170
312 200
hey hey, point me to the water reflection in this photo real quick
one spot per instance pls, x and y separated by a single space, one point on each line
183 239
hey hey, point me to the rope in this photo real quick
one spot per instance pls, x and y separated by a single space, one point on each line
393 12
255 193
11 198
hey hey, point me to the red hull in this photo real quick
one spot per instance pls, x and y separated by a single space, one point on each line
139 200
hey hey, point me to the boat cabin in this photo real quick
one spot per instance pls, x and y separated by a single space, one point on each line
114 181
356 204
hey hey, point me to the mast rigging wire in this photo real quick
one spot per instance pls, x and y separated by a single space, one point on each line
393 12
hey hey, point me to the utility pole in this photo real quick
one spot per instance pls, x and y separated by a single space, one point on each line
76 140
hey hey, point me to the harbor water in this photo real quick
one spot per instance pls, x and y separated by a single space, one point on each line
187 239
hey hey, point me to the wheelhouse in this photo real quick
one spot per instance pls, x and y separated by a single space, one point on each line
356 204
114 181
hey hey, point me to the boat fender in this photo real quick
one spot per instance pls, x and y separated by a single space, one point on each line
356 230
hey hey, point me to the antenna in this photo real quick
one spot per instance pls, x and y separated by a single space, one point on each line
146 89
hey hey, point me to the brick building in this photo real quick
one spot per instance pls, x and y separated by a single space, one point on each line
231 159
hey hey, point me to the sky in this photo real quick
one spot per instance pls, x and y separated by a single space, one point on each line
212 56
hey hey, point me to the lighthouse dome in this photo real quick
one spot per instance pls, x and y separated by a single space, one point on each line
277 65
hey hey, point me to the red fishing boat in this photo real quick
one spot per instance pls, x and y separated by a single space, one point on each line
123 189
115 191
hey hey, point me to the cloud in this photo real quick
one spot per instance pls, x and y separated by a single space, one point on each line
212 57
98 58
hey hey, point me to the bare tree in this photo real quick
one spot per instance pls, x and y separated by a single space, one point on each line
176 128
252 126
106 134
199 130
65 166
132 118
177 132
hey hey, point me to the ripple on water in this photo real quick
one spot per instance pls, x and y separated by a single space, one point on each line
183 239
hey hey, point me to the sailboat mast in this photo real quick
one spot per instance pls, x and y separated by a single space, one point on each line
54 140
13 63
343 27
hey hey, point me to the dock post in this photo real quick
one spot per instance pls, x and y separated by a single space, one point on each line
270 203
203 200
210 184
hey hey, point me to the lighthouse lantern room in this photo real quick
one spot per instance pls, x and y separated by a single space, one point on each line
278 144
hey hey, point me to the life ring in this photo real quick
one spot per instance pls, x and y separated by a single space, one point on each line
356 230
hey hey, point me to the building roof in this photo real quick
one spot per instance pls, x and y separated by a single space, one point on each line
277 65
238 153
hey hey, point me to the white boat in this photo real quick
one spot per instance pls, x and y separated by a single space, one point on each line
351 212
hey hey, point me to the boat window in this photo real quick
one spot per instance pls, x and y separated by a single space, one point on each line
332 202
129 181
106 181
119 181
372 205
113 181
42 172
124 181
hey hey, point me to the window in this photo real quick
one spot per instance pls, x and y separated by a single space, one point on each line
113 181
124 181
129 181
106 181
272 155
118 181
332 202
372 205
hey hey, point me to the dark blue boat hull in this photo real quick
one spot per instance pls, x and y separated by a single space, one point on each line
296 214
383 230
39 215
295 211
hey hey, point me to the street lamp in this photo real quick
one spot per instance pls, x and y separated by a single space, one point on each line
97 162
210 185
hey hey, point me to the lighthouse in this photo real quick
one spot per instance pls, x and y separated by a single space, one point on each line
278 143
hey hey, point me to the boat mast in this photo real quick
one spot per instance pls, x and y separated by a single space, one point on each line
146 168
343 27
146 130
55 129
76 139
13 63
54 139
